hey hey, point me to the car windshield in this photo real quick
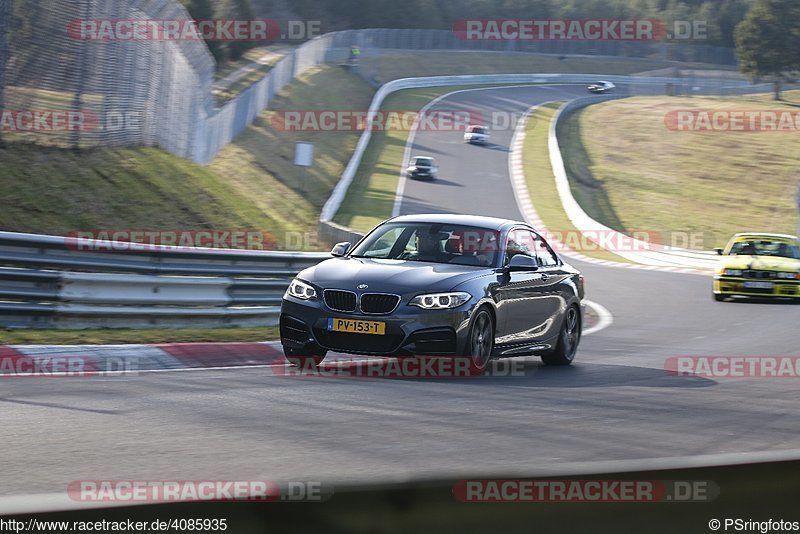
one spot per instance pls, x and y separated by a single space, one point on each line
431 242
480 130
765 247
422 162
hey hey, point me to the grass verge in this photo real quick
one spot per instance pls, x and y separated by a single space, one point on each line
125 337
640 175
253 183
541 183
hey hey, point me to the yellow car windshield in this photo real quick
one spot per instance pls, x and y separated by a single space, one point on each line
765 247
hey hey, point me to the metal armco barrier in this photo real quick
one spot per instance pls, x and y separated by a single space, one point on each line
57 282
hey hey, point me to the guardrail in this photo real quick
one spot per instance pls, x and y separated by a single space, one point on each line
71 283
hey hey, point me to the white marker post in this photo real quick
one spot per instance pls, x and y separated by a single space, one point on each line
798 209
303 157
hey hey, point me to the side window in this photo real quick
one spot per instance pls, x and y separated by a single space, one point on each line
519 242
546 256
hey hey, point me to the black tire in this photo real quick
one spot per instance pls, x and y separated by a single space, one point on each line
718 297
480 342
568 339
304 360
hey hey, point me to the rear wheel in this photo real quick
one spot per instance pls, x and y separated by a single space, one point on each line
480 343
568 340
304 360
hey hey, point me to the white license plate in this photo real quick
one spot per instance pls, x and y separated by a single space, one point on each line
758 285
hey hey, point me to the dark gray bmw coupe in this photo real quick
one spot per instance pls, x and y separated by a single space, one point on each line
437 285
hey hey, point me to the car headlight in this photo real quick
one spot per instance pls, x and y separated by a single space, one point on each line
440 301
789 276
301 290
732 272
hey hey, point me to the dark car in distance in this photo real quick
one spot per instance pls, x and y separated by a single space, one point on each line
437 285
422 168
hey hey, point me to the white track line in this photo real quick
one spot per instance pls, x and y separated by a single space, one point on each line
525 204
401 183
605 319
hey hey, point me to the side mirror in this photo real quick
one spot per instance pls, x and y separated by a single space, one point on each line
521 262
718 251
340 249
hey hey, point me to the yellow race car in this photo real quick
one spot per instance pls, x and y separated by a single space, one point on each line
758 265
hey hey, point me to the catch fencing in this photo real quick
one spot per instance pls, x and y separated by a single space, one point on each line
60 87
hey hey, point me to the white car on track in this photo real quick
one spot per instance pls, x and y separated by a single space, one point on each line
476 134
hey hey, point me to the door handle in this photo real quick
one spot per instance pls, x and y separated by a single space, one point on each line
545 277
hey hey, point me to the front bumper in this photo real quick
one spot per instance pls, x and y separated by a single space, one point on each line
730 285
475 140
409 331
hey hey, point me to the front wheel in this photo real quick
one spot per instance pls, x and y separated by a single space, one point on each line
480 342
718 297
568 340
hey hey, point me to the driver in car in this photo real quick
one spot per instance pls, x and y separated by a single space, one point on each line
428 247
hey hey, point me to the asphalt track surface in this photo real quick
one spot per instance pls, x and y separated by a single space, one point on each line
616 403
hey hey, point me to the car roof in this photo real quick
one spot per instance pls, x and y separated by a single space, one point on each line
422 157
493 223
763 234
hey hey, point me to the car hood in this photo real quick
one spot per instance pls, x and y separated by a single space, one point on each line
760 263
389 276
